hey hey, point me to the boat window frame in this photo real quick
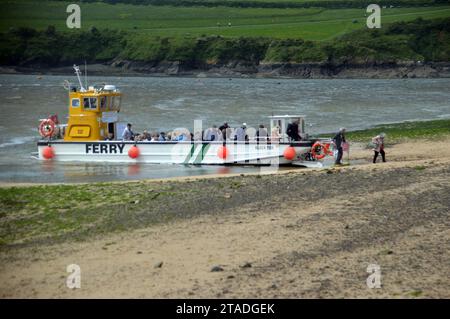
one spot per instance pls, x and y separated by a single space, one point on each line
114 105
110 102
73 100
90 108
302 125
105 106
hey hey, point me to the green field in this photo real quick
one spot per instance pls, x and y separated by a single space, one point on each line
168 21
202 35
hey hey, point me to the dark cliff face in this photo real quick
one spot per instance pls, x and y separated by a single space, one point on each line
317 70
369 70
294 70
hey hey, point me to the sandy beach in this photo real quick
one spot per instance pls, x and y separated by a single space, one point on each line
297 234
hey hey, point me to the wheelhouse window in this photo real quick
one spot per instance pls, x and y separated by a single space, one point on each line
103 103
115 103
75 102
90 103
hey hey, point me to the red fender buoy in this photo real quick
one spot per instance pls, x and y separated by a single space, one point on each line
133 152
222 152
48 153
289 153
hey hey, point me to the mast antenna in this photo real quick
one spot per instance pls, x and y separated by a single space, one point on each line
78 73
85 74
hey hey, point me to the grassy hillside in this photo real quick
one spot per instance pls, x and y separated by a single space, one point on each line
167 21
34 34
418 40
276 3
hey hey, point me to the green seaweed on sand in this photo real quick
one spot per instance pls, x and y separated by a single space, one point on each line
71 211
398 132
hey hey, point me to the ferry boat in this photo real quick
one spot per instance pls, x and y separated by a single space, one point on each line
93 132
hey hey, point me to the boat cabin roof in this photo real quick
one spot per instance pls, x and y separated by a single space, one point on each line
286 116
96 91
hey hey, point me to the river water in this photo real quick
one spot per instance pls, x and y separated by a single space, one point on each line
156 103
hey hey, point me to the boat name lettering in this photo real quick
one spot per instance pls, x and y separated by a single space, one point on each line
100 148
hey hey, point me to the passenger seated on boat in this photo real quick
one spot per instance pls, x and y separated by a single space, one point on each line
153 137
137 137
198 136
128 134
145 136
261 134
218 133
182 137
110 137
223 128
162 137
292 131
207 135
228 134
181 134
212 134
240 133
275 134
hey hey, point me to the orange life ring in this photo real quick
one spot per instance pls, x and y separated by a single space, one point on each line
47 128
324 147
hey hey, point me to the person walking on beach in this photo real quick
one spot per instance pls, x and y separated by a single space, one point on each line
378 141
338 140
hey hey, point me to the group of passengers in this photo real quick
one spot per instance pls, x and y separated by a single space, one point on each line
214 133
225 132
129 135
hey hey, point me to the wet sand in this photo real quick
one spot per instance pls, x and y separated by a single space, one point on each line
296 234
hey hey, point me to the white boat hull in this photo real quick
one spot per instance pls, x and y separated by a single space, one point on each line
189 153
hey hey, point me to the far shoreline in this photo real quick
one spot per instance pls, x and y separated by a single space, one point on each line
320 70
